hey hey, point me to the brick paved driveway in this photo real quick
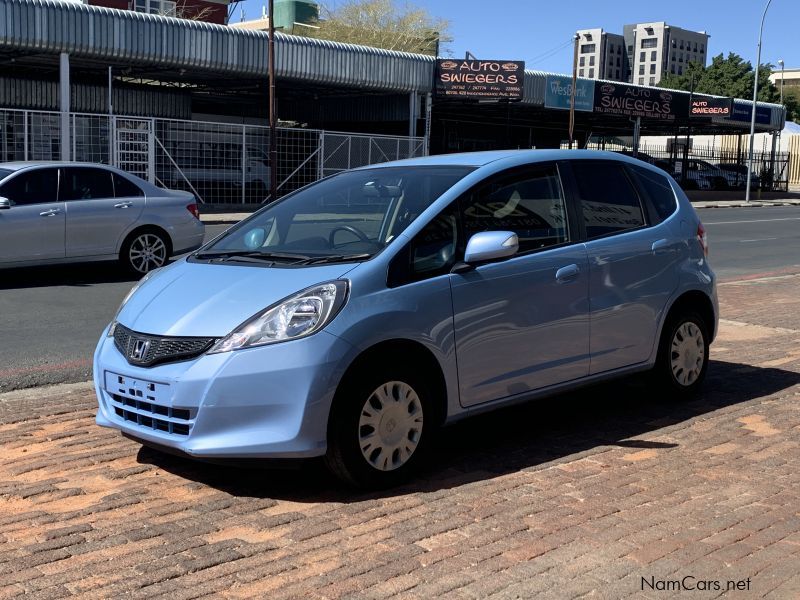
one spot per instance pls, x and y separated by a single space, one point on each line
587 495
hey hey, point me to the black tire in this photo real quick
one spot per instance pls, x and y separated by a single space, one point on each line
140 240
672 376
345 458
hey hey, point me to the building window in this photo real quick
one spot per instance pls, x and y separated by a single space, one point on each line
611 48
680 58
652 69
652 55
642 56
674 44
681 46
673 58
641 69
649 42
652 81
591 61
155 7
695 46
680 70
591 73
641 80
703 49
619 49
672 69
583 61
580 72
587 49
617 73
618 62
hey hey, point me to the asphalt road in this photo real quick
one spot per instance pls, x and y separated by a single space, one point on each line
51 317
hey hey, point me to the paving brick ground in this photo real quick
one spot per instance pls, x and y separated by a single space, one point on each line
583 496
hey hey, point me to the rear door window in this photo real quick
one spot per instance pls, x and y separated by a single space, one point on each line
32 187
609 202
86 183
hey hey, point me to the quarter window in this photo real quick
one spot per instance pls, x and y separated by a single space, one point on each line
608 200
530 205
80 183
125 188
32 187
656 189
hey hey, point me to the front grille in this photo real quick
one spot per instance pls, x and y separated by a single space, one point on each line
176 421
144 350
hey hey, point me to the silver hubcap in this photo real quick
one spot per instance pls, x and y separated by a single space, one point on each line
687 353
147 252
390 426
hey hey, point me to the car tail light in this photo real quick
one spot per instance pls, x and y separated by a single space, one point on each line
702 238
192 208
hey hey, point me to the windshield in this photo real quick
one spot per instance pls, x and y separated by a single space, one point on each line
350 216
5 173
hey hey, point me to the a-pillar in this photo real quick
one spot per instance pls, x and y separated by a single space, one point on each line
63 106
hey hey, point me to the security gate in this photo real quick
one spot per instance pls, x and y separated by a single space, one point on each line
133 150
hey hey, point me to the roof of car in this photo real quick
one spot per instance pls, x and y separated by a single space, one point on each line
479 159
20 164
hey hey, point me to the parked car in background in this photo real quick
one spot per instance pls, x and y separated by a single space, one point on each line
354 317
53 212
737 176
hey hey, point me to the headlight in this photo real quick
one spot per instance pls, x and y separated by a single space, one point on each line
296 317
127 297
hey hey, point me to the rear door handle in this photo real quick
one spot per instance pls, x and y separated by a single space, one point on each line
123 205
661 247
50 213
568 273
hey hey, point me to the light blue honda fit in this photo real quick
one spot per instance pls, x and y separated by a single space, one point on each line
356 316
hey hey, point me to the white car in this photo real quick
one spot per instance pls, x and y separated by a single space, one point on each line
59 212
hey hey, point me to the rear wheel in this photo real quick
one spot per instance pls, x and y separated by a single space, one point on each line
381 424
682 355
144 251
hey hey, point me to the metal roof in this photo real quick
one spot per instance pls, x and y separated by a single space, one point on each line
127 37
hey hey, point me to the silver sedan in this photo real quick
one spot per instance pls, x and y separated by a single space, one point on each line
53 212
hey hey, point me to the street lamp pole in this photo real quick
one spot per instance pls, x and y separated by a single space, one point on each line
753 114
273 131
780 63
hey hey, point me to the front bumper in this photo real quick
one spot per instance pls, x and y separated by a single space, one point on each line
267 402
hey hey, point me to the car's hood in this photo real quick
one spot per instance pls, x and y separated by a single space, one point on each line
210 300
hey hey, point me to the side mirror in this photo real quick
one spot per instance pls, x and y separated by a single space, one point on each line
490 245
5 203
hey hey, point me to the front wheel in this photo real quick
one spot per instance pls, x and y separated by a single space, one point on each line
144 251
682 355
381 424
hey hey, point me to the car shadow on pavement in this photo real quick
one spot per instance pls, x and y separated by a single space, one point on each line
525 436
64 275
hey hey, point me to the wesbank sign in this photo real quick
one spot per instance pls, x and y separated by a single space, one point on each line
558 90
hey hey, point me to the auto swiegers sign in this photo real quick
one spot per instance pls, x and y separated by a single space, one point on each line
480 78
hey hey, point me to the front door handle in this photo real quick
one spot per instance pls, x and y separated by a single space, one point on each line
50 213
123 205
568 273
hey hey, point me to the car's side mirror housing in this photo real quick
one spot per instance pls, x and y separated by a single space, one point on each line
5 203
491 245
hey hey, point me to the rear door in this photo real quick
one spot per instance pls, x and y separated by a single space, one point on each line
101 207
632 260
522 324
33 228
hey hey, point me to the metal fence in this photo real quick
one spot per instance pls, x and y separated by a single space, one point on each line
713 167
220 163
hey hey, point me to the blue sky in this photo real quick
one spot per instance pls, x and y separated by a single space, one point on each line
538 31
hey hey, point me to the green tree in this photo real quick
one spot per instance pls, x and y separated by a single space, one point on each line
731 76
380 24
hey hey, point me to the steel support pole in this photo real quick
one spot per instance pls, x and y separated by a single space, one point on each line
273 141
755 99
63 104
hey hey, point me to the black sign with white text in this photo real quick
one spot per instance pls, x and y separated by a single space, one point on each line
651 103
480 78
707 107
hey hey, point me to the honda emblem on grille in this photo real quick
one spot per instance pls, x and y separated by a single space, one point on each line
139 350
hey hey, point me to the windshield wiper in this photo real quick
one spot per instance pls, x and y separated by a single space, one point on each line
252 255
317 260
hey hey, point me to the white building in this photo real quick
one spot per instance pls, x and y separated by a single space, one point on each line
643 54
